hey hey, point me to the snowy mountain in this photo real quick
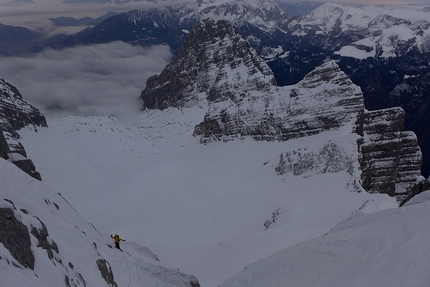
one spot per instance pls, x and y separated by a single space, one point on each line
45 242
170 24
358 32
346 31
387 248
297 8
264 14
219 73
215 67
383 49
85 21
15 40
280 166
214 62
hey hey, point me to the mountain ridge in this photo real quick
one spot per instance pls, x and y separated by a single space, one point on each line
216 70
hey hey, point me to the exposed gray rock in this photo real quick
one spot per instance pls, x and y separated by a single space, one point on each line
15 237
15 114
216 68
42 235
330 158
106 272
418 188
390 158
4 147
325 99
18 159
26 165
209 66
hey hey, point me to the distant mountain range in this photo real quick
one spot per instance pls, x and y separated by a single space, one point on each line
85 21
382 50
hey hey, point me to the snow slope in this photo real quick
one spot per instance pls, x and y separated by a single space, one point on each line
387 248
201 208
72 250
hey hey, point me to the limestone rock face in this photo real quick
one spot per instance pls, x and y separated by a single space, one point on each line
217 72
217 69
15 237
214 64
390 158
325 99
15 113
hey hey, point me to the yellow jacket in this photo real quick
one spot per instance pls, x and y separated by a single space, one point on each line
116 238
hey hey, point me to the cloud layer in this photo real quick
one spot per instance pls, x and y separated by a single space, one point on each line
104 79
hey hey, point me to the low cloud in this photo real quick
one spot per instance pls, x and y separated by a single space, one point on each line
104 79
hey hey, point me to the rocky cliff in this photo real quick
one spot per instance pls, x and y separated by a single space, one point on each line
217 71
390 158
15 114
214 64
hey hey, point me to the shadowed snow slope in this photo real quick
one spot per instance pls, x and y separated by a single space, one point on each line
387 248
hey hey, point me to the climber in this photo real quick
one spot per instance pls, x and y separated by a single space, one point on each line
117 239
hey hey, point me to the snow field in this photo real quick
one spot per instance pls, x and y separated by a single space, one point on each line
200 208
387 248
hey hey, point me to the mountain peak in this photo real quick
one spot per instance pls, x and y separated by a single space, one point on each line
213 63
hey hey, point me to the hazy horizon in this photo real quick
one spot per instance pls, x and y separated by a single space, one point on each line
52 8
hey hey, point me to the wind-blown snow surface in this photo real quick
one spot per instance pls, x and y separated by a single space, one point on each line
200 208
388 248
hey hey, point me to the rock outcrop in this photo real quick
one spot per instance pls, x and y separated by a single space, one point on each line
390 158
421 186
209 66
218 71
15 237
15 113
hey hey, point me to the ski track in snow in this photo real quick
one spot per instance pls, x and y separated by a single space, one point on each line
200 208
